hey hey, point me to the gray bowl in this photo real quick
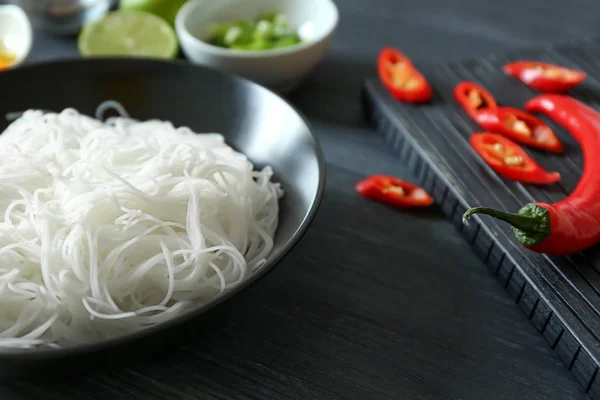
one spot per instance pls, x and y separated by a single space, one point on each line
253 120
64 17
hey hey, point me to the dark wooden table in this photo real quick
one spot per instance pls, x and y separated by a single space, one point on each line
373 303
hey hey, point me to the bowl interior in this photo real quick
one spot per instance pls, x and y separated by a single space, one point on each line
313 18
253 120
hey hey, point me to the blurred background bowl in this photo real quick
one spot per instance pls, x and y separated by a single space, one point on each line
16 35
63 16
279 69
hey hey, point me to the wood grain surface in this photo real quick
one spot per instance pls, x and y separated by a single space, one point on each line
373 303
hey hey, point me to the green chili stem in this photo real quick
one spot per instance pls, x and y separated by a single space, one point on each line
523 222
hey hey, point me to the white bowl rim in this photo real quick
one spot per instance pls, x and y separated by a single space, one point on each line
16 11
187 8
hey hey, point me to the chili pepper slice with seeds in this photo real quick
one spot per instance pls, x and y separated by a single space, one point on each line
473 97
520 126
393 191
544 77
401 78
509 159
572 224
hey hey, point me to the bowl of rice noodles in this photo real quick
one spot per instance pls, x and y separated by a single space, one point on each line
136 195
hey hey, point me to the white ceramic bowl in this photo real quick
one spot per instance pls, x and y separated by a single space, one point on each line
279 69
16 35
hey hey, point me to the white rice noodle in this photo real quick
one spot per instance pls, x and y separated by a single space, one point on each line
110 227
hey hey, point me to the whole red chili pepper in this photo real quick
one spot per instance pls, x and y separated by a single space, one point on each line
573 224
520 126
509 160
473 98
401 78
544 77
393 191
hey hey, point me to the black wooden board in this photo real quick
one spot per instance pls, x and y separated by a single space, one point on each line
560 295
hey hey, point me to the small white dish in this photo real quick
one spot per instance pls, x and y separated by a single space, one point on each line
16 35
279 69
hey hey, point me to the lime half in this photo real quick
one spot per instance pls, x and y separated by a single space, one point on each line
166 9
128 33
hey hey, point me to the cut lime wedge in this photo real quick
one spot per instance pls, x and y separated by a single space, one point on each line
166 9
128 33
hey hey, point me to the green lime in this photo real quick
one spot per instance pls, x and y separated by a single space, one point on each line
128 33
166 9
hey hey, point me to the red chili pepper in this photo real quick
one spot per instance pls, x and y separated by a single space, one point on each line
520 126
393 191
401 78
548 78
473 98
573 224
509 159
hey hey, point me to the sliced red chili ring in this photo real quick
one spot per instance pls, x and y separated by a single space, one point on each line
544 77
473 97
393 191
401 78
520 126
509 159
